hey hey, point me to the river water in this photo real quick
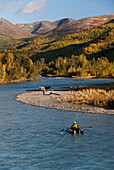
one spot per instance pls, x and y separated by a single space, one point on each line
30 137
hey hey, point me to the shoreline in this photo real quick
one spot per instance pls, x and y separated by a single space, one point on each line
24 79
49 100
16 81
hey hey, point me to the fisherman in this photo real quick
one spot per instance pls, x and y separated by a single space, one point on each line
74 126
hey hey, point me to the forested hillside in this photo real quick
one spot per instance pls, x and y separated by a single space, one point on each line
87 53
95 43
6 42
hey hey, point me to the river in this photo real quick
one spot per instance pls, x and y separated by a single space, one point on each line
30 137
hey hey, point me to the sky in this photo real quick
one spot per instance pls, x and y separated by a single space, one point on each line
27 11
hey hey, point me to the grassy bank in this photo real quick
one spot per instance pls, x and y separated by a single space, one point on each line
96 95
108 86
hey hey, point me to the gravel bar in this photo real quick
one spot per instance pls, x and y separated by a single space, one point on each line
49 100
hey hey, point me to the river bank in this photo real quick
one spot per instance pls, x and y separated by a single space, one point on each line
23 79
51 100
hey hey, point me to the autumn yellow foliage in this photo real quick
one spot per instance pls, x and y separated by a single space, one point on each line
96 97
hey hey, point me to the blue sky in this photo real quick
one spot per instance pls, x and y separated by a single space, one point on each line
27 11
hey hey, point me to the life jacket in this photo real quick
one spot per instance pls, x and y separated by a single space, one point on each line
74 125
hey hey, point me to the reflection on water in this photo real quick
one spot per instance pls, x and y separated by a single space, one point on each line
30 136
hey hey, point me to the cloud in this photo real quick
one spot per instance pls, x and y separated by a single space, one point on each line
33 6
11 6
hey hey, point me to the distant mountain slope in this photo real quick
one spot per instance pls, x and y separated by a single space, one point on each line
65 26
10 30
42 27
82 24
51 28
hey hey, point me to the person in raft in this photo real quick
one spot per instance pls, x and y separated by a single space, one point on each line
74 126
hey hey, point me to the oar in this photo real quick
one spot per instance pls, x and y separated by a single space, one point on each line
62 130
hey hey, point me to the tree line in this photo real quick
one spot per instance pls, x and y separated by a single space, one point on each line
87 53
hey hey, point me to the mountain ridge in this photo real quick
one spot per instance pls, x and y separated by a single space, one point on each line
10 30
65 25
42 27
51 28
